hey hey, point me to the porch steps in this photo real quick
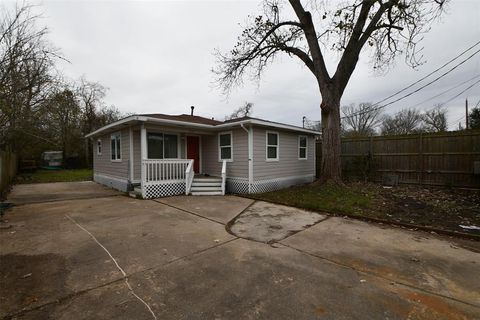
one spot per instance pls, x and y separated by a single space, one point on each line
206 186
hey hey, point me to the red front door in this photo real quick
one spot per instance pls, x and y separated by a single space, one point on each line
193 151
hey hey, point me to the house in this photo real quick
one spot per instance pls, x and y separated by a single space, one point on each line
162 155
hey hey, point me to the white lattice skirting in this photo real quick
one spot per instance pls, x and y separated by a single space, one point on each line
164 189
239 185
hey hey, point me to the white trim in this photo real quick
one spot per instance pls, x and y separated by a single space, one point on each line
131 156
114 135
231 146
271 145
250 158
144 119
300 147
143 152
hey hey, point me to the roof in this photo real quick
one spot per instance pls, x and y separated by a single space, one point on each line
183 118
196 122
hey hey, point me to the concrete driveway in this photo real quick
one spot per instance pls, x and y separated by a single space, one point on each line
116 257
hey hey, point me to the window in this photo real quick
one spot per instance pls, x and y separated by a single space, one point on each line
272 146
116 146
302 147
162 146
225 146
99 147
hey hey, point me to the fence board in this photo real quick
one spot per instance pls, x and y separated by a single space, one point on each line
430 159
8 169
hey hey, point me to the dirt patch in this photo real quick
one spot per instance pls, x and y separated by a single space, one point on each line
268 223
29 281
446 209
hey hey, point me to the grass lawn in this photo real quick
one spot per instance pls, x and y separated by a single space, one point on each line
316 197
64 175
438 208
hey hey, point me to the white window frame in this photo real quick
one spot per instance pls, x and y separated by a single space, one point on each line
271 145
300 147
220 147
99 147
114 136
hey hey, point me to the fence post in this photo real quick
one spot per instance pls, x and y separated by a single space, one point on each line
422 165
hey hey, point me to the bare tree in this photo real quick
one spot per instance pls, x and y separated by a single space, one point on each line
243 111
404 122
361 119
435 120
389 27
26 76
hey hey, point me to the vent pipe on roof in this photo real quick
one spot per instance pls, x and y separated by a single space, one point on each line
192 107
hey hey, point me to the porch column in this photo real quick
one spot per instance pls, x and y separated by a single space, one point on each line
143 153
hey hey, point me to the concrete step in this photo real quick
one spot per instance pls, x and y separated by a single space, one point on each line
207 193
195 189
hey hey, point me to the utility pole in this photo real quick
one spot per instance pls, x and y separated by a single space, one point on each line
466 114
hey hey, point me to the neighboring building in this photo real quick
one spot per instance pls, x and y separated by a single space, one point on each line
163 155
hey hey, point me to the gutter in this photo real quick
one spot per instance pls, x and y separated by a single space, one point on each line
250 155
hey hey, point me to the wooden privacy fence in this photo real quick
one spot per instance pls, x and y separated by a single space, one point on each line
446 159
8 169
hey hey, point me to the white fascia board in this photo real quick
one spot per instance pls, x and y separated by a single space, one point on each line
113 125
200 125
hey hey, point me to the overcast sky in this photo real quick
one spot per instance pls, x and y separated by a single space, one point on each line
156 57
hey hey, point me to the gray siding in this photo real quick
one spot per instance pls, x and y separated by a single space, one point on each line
102 164
288 165
137 156
238 168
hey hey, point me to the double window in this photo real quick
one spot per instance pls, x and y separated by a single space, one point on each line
162 146
225 146
272 146
302 147
116 146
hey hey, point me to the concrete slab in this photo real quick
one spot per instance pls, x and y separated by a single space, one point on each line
248 280
267 222
218 208
184 266
408 257
45 256
45 192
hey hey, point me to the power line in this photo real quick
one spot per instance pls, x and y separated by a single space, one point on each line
442 93
428 75
416 90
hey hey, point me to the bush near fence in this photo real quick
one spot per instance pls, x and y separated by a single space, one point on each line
443 159
8 170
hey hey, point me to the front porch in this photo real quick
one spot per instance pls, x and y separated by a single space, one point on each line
172 163
168 177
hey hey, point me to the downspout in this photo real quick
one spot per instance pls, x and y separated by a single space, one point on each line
250 155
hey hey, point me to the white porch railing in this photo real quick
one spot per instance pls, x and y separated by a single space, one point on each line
224 176
155 171
189 174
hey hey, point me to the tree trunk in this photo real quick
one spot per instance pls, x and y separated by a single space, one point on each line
331 170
